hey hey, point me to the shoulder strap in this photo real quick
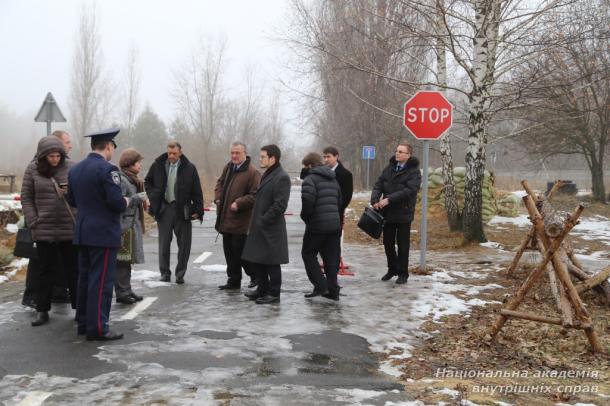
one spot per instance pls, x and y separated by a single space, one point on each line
57 190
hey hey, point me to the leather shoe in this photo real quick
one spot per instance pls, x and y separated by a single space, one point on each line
138 298
109 336
402 279
315 293
253 294
180 281
252 284
164 278
129 300
331 295
388 276
40 319
228 287
267 299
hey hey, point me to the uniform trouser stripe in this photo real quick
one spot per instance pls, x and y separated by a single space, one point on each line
100 297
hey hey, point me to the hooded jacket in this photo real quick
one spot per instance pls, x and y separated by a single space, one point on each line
321 201
401 190
44 209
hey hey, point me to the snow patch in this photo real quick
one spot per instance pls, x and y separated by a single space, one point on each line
520 221
12 228
213 268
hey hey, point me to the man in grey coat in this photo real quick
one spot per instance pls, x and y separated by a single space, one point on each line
267 243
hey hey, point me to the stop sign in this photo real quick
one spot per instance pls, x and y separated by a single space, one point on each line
428 115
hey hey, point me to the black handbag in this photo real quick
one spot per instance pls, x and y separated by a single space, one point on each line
371 222
24 244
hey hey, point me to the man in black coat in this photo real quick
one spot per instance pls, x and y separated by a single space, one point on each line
344 178
176 198
267 242
321 201
395 195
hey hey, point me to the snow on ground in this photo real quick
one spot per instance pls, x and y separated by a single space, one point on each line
8 202
13 268
520 221
595 228
12 228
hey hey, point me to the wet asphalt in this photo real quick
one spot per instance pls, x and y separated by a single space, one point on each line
198 345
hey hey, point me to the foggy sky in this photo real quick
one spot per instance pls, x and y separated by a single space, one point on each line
37 40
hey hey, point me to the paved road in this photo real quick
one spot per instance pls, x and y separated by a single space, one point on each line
197 345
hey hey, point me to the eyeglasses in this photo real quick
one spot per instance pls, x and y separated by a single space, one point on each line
402 152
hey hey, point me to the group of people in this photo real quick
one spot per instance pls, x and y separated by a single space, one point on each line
79 215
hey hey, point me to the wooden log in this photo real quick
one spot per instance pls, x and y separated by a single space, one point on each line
530 316
554 189
563 304
594 281
553 222
520 251
562 271
603 288
516 300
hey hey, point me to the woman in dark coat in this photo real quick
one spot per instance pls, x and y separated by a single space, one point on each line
130 163
51 221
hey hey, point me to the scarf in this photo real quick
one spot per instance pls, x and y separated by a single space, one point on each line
133 177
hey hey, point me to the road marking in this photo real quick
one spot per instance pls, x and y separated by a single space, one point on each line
140 307
34 398
202 257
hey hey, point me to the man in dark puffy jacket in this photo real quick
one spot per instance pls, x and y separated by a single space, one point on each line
321 203
395 195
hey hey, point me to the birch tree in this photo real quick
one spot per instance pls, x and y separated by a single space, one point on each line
131 97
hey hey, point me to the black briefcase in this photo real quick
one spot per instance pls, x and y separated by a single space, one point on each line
371 222
24 244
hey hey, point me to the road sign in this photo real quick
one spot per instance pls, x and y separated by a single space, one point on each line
49 113
427 115
368 152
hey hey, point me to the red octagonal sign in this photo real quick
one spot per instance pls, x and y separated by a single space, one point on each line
428 115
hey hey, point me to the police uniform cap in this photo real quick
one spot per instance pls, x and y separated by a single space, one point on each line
104 135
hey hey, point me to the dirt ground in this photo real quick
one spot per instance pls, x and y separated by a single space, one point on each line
547 364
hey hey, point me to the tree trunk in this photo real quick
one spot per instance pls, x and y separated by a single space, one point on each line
454 217
597 181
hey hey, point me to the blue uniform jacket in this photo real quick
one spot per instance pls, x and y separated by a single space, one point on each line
94 189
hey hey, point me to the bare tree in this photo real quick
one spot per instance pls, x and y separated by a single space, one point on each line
567 109
90 96
199 91
131 98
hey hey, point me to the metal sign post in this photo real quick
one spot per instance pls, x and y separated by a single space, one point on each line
49 112
423 238
368 154
427 115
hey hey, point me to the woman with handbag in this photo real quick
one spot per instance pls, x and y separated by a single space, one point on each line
132 226
51 221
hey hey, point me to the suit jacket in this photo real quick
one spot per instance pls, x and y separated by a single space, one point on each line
189 196
267 241
94 188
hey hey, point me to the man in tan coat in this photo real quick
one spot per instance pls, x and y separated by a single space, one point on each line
234 198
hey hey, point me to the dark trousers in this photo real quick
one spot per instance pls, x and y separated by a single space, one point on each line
233 246
397 234
329 247
169 225
31 280
122 279
95 282
52 256
268 278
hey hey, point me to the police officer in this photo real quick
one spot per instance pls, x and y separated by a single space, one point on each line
94 189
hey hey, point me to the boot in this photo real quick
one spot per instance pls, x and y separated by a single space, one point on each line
40 319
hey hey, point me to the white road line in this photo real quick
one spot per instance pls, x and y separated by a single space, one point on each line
202 257
140 307
34 398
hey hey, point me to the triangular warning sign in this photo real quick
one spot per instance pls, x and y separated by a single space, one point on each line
49 111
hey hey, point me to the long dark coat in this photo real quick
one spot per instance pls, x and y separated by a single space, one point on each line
267 241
